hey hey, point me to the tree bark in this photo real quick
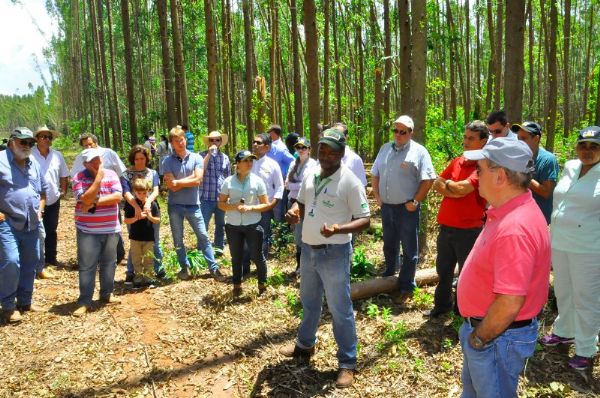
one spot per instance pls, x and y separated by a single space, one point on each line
566 60
499 53
249 56
467 61
586 87
312 70
129 73
117 134
453 61
326 12
338 73
225 70
161 8
141 59
298 122
552 77
419 67
515 36
387 53
405 57
178 56
211 58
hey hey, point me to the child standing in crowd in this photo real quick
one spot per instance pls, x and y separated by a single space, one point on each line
141 233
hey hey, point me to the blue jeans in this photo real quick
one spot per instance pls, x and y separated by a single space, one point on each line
191 213
401 226
494 370
41 264
93 251
328 271
281 207
208 208
19 254
158 269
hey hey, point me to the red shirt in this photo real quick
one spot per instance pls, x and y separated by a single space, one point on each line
465 212
511 256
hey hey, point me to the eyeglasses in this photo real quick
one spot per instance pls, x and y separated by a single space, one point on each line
256 142
247 160
214 140
400 132
301 148
46 137
496 131
479 169
28 143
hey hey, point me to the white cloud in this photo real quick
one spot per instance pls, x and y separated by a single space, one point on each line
25 31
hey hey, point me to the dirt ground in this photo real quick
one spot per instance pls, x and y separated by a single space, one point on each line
190 339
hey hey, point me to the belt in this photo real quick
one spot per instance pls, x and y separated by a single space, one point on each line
515 325
396 205
318 247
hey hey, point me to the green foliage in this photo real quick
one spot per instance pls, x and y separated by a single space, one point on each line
293 304
277 278
170 263
281 236
197 261
361 268
422 299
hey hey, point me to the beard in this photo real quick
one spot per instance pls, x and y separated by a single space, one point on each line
21 153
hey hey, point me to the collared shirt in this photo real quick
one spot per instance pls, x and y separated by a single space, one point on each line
336 199
105 220
53 168
216 171
181 168
576 216
511 256
401 171
281 155
250 189
20 191
129 175
110 160
354 162
268 169
546 169
465 212
296 176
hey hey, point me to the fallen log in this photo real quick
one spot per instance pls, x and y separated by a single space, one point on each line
372 287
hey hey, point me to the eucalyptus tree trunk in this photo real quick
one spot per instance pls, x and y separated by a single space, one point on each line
211 55
178 56
552 77
514 67
312 70
129 73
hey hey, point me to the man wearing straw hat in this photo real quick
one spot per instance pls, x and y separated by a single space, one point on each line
217 167
54 168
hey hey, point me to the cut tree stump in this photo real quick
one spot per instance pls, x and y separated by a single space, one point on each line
372 287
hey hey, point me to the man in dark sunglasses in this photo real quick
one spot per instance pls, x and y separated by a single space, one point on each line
402 176
498 125
22 201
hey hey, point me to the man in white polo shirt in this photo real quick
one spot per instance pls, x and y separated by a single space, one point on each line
333 205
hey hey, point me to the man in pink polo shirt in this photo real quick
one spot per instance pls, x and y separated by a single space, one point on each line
504 282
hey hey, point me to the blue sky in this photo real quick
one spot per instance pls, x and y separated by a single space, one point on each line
25 29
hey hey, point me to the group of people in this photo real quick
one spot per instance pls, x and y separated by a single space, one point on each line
498 199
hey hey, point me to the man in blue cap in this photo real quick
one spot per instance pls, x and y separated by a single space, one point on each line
22 201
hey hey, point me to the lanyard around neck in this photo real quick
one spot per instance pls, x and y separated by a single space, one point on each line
320 184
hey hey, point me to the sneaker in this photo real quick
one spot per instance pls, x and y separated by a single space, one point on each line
580 363
345 378
184 275
551 340
30 308
129 279
218 252
293 351
11 316
218 276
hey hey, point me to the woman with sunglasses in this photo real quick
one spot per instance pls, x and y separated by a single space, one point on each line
575 230
296 174
243 197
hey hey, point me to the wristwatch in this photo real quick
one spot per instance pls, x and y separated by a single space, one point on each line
476 341
414 202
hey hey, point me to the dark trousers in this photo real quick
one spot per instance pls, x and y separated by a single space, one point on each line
50 220
265 223
453 246
251 236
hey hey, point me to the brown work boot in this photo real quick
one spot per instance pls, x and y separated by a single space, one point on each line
44 274
30 308
237 291
110 299
293 351
402 298
345 378
81 310
11 316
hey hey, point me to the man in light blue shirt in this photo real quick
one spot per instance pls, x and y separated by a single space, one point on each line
22 201
183 176
280 153
402 176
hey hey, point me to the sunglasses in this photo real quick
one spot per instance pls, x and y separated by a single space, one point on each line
28 143
214 140
255 142
247 160
301 148
496 131
46 137
400 132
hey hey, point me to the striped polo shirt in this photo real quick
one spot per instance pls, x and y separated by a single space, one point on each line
105 220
